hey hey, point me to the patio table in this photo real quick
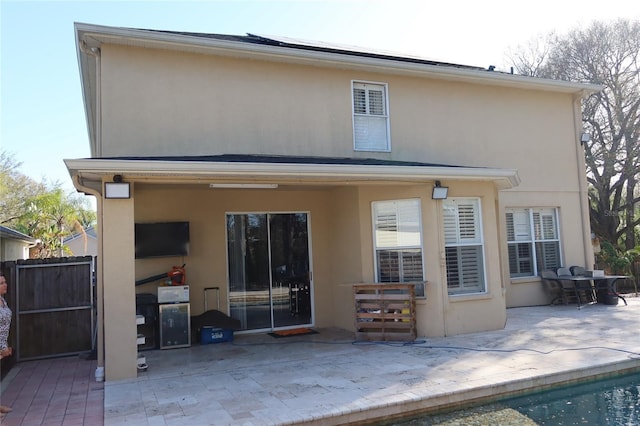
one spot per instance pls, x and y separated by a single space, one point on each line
606 282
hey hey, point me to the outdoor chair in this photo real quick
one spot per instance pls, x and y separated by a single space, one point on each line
587 288
553 287
578 271
569 290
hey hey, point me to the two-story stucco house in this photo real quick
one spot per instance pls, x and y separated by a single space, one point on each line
315 165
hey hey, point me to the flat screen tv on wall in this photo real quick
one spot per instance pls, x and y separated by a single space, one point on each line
161 239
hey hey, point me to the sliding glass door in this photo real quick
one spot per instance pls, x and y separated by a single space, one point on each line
248 254
269 269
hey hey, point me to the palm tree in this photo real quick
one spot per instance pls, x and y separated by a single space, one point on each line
51 217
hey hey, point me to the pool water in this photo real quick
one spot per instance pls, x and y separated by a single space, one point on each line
614 401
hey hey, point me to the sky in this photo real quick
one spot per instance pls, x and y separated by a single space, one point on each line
42 119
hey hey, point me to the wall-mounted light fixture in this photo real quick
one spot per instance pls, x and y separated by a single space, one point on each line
440 192
117 188
584 138
244 185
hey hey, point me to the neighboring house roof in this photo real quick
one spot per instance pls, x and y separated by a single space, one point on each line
91 37
12 234
89 232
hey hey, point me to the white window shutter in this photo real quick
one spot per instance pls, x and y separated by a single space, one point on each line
412 265
472 268
370 118
461 221
370 133
544 222
533 237
468 219
359 100
376 102
450 217
548 227
398 224
398 241
550 254
511 232
386 225
464 246
518 227
409 223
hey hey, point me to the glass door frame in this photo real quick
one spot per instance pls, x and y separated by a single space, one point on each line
268 214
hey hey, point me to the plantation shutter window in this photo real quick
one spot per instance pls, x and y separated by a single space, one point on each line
533 241
370 117
464 246
398 242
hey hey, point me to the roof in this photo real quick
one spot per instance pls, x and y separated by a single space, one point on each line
282 159
89 232
317 46
12 234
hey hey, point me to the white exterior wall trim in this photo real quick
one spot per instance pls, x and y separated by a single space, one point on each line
504 178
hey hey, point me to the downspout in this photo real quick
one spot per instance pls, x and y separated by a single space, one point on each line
97 152
97 136
442 258
77 182
582 183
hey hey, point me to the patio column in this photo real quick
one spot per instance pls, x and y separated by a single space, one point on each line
118 262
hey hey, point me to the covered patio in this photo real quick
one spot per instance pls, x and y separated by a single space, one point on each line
328 379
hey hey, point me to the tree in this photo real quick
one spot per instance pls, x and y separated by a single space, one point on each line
51 217
40 211
609 55
15 189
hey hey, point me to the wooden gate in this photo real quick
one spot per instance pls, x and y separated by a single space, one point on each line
53 302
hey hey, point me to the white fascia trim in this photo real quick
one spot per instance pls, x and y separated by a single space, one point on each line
101 34
505 178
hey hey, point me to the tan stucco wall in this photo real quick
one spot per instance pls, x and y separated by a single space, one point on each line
120 331
166 103
163 103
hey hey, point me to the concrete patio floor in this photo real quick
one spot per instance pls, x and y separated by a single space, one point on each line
328 379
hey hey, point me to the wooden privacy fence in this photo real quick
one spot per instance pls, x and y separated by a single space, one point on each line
53 302
630 285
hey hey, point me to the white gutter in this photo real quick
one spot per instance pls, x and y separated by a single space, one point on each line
506 178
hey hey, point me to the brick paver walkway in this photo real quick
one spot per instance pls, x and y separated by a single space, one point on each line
60 391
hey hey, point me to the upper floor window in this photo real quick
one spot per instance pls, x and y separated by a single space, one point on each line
398 242
533 241
463 246
370 117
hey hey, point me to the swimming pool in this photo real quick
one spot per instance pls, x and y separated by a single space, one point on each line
614 401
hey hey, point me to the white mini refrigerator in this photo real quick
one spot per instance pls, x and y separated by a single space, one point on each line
175 317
